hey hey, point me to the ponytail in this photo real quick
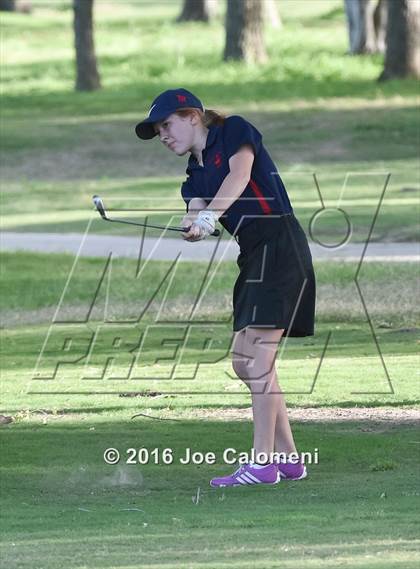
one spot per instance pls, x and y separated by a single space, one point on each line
213 118
208 117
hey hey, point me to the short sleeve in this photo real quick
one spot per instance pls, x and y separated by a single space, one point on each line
237 132
187 192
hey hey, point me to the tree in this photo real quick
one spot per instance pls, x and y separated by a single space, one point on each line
87 73
7 5
366 24
402 57
244 31
197 11
24 7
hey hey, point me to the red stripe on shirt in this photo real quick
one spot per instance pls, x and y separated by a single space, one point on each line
261 200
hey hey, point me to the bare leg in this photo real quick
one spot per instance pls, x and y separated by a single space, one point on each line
254 352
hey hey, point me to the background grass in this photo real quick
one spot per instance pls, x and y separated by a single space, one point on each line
351 368
31 286
320 111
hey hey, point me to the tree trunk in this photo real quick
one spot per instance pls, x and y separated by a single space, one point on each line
244 31
402 57
197 11
7 5
87 73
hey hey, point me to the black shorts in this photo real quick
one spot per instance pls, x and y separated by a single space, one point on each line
276 284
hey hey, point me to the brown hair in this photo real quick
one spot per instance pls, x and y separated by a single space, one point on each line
208 117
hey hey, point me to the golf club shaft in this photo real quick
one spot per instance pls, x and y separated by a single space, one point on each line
101 209
182 229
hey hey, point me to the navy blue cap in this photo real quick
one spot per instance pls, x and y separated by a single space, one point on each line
164 105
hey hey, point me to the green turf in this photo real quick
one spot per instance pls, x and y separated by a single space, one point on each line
349 371
60 501
63 504
133 331
31 286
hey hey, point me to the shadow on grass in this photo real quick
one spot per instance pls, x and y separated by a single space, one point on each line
61 152
135 98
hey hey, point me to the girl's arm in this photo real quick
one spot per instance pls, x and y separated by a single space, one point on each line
240 165
196 204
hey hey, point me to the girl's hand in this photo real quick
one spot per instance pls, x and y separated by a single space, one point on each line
195 233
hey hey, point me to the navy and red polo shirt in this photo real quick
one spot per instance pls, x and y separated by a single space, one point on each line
264 194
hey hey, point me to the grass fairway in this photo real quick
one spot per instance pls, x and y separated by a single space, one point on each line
141 333
63 506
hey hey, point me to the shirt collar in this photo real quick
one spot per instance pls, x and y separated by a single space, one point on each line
211 138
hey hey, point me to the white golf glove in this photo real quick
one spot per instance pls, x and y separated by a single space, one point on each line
206 222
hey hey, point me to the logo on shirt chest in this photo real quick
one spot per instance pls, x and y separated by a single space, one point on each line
217 160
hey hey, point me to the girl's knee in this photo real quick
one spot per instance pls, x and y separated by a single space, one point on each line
241 369
247 374
253 369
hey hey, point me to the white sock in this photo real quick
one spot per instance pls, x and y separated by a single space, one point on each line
258 466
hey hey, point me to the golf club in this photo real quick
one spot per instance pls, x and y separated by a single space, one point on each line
99 204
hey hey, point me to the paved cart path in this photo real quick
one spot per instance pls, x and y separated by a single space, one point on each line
169 249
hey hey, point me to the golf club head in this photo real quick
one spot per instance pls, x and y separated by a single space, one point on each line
99 206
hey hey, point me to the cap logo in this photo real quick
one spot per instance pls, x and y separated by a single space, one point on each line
181 98
151 109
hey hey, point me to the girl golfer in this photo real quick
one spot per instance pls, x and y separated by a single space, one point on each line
232 179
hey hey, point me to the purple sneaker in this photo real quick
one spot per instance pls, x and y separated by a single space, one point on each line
249 475
290 471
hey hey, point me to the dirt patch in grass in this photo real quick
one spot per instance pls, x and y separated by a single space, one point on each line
375 418
320 414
